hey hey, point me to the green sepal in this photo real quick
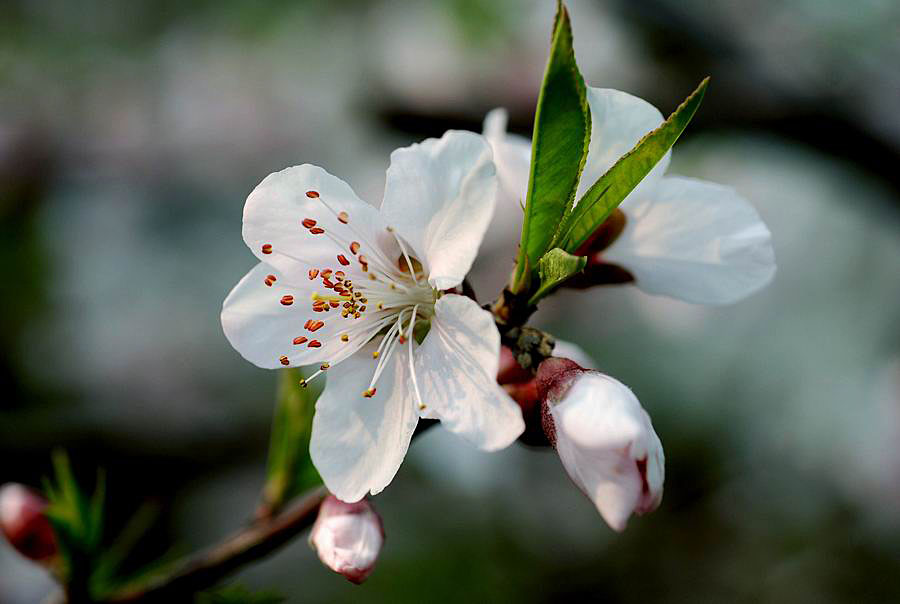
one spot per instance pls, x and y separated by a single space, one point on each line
554 268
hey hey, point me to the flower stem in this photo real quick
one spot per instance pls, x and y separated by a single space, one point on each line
259 539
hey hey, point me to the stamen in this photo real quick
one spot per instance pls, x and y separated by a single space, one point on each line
308 223
287 300
305 383
316 325
267 248
284 360
313 272
324 366
345 337
354 247
270 279
343 259
314 344
312 194
410 327
316 231
343 217
300 340
412 270
370 393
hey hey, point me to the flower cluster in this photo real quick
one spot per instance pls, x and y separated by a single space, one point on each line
376 299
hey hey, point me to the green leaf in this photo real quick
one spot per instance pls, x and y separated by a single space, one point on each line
290 468
562 131
613 187
554 267
77 524
107 573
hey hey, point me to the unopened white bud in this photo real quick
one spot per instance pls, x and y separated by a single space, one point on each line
604 438
348 537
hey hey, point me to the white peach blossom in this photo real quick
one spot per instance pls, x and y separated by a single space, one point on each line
352 289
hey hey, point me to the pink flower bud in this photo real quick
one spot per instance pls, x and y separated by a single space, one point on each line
24 524
348 537
604 439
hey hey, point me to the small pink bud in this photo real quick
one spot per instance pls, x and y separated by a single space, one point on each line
24 523
348 537
604 438
522 386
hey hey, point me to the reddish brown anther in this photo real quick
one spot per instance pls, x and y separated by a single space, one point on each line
267 248
312 194
287 300
309 223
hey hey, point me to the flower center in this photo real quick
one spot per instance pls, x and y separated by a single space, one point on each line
372 295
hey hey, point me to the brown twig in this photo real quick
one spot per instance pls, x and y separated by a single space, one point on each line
262 537
256 541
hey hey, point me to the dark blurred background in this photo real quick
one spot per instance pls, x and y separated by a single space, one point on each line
131 133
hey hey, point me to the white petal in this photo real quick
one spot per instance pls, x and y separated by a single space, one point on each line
262 329
602 435
573 352
277 206
358 443
618 121
512 157
440 196
695 240
456 369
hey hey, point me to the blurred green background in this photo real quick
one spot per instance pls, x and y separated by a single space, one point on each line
131 133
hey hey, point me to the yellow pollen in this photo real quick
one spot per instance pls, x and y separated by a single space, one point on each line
345 337
324 366
376 354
